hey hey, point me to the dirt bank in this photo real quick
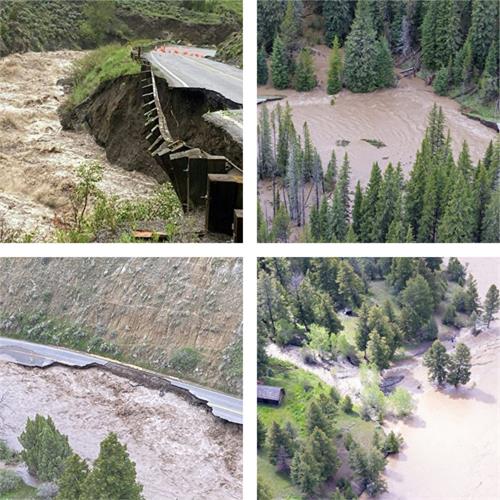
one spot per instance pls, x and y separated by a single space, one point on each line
180 450
38 159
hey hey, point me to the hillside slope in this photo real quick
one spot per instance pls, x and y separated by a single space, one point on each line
143 311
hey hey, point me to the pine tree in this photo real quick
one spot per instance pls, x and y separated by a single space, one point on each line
279 67
317 176
357 210
361 50
436 360
340 213
441 83
429 28
464 163
490 80
481 196
338 16
418 305
271 305
317 419
262 72
334 84
331 173
491 220
459 366
368 230
429 219
71 482
308 155
275 440
350 285
323 218
281 225
262 229
389 195
467 72
45 449
261 433
491 304
290 31
392 443
266 164
377 351
362 334
113 475
385 65
457 223
325 454
484 29
305 77
305 471
456 271
286 138
295 181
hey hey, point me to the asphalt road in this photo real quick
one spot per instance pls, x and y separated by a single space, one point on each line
189 67
30 354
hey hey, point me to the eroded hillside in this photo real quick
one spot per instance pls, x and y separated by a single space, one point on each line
143 311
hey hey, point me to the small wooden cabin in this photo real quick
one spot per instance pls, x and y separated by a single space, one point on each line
269 394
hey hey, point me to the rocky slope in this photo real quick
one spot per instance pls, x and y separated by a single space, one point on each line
149 309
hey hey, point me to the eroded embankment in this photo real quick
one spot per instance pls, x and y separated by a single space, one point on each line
38 159
180 450
114 114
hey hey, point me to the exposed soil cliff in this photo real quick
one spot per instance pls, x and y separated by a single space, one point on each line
148 308
114 114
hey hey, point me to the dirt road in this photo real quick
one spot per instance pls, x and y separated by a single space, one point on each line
38 159
180 450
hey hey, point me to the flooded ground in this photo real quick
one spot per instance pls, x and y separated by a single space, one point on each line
452 443
38 159
180 450
397 117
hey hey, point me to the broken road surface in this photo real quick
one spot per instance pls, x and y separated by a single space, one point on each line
189 67
37 355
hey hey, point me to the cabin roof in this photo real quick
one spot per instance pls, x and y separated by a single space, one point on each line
269 392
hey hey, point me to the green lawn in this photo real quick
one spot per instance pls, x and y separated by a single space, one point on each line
279 485
380 292
25 492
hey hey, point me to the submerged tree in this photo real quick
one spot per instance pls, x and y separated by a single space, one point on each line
334 84
436 360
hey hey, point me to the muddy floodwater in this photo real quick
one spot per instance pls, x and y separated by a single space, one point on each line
452 443
397 117
180 450
38 159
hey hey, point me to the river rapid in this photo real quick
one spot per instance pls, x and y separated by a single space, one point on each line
38 160
181 450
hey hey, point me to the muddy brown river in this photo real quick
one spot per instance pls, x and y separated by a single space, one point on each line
180 450
38 160
397 117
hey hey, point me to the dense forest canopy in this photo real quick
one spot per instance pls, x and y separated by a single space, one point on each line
454 40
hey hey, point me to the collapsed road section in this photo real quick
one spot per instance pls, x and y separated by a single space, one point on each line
34 355
201 180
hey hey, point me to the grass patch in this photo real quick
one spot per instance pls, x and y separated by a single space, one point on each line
106 63
473 105
301 388
380 292
24 492
279 485
375 142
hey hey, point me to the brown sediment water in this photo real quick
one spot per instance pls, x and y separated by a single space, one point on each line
38 160
180 450
397 117
452 442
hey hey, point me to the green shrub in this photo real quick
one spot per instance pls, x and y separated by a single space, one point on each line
7 455
346 404
9 481
185 359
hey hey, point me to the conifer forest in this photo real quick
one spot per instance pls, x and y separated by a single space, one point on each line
378 121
